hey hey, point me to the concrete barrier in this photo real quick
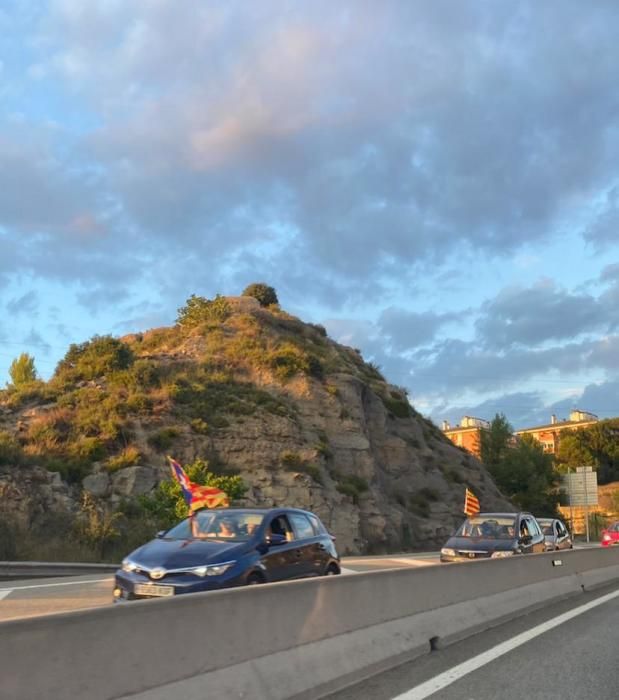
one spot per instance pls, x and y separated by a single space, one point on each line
292 640
40 569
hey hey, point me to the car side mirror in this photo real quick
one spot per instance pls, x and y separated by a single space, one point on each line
160 534
274 540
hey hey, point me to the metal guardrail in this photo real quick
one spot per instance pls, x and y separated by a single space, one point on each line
13 570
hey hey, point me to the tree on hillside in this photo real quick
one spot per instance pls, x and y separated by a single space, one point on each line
596 446
200 310
494 441
521 470
262 292
525 474
93 359
22 370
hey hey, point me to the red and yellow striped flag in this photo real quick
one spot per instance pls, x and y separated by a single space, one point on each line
471 503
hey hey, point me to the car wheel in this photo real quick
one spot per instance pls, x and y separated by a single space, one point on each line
332 570
254 579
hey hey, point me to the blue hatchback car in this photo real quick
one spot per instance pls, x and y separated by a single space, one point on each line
222 548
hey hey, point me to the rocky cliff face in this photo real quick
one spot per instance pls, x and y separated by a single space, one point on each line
303 420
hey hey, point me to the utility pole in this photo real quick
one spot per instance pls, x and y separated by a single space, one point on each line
569 491
586 505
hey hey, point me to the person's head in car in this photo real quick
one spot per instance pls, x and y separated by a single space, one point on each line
227 528
487 529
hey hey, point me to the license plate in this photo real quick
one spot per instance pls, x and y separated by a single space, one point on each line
151 589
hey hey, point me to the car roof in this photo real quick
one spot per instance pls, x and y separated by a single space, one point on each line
498 515
264 511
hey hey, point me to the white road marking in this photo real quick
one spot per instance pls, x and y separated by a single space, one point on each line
416 562
52 585
424 690
348 571
4 592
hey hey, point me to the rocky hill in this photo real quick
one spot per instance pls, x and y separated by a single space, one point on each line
303 420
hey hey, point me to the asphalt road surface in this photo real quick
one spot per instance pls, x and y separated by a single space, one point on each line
567 651
33 597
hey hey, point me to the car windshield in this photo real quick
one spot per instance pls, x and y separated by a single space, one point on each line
493 527
219 525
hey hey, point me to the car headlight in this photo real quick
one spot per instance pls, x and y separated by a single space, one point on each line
606 538
500 555
129 566
448 552
213 569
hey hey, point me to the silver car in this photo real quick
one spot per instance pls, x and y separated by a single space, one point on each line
556 534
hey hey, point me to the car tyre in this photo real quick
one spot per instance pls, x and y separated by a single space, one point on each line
332 570
255 580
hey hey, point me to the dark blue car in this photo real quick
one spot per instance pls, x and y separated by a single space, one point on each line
221 548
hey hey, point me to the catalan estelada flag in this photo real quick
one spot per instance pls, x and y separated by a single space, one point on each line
471 503
196 496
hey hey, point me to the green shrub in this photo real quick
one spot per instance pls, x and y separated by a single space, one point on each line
166 505
262 292
137 403
128 457
199 310
351 485
287 360
324 450
10 450
163 439
100 356
87 449
399 407
22 370
293 462
199 426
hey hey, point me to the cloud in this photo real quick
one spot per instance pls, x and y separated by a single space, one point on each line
26 305
360 140
604 228
530 316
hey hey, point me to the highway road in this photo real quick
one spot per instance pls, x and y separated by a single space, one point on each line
30 598
567 651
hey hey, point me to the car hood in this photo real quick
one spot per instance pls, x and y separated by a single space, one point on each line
179 554
479 544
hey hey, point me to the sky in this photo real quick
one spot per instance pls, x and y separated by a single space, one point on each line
436 182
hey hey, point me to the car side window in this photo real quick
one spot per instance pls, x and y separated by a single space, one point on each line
319 528
524 529
302 526
533 527
280 525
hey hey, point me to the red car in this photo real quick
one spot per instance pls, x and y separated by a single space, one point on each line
611 535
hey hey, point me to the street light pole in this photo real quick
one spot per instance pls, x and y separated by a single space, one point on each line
586 505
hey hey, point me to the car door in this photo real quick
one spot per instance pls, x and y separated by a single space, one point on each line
282 561
313 552
538 541
524 541
561 536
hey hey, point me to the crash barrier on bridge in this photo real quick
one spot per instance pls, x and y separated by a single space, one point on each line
292 640
39 569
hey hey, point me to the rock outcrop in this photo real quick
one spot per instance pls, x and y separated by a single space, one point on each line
303 420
